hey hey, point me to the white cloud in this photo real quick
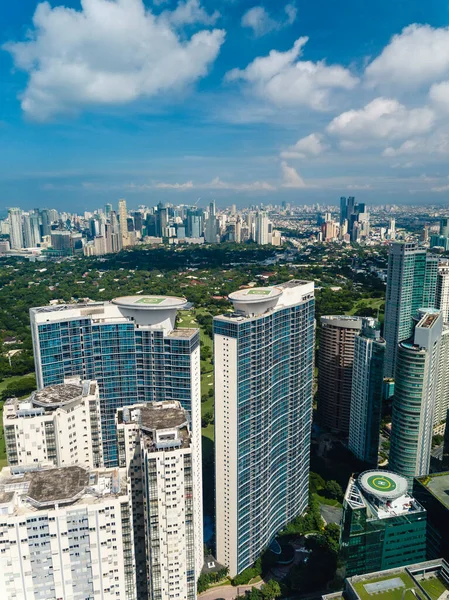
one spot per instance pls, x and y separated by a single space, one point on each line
435 144
439 95
218 184
312 145
109 53
443 188
189 12
418 55
291 177
261 23
382 118
283 80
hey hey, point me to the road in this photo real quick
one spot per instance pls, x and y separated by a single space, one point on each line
331 514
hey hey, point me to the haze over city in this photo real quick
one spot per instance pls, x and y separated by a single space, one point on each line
238 101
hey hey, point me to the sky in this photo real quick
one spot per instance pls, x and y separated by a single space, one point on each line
242 101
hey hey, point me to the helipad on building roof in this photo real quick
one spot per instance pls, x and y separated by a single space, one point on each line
385 485
150 302
256 294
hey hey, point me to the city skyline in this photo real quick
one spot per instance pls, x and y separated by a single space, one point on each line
276 101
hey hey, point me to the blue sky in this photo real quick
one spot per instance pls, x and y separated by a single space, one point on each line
241 101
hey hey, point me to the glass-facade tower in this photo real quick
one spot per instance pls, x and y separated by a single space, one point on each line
130 347
264 358
411 284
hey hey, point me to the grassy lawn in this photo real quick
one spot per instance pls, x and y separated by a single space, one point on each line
434 587
375 303
395 594
324 500
4 384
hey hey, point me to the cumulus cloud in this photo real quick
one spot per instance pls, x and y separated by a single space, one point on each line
418 55
283 80
382 118
110 53
260 22
312 145
218 184
436 143
190 12
291 178
439 95
443 188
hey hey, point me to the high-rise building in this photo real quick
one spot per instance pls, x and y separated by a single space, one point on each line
212 228
366 393
431 493
335 364
262 228
194 223
35 229
263 413
59 425
130 346
46 218
15 229
61 241
416 384
442 391
442 291
156 446
444 226
123 215
161 220
66 533
411 284
383 526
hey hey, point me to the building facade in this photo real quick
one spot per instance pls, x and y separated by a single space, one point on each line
59 425
335 364
66 534
366 393
416 384
156 446
130 346
431 493
263 413
15 229
411 284
442 293
383 526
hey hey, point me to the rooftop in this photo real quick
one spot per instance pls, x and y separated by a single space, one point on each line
56 485
156 417
438 484
57 394
256 294
182 333
150 302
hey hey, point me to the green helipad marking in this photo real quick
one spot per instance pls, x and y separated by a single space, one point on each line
150 301
381 483
259 292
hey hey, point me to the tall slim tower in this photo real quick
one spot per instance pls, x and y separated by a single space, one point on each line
335 363
366 394
130 346
123 214
442 293
416 383
262 225
411 284
263 414
156 446
15 228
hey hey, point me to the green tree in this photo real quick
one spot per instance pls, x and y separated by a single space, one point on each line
271 590
333 490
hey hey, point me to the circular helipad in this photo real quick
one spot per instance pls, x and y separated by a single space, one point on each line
150 302
383 484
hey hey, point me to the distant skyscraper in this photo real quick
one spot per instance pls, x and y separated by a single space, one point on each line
129 346
156 446
15 228
46 221
411 284
262 228
107 210
35 229
212 229
442 292
123 214
444 226
366 394
194 223
263 414
416 382
383 526
335 364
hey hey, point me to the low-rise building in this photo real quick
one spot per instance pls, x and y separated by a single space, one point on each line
432 493
58 425
65 534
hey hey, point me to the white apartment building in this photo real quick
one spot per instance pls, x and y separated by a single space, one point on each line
156 446
442 293
65 534
59 425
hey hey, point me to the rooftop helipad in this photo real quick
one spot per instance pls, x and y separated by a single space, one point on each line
383 484
256 294
150 302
